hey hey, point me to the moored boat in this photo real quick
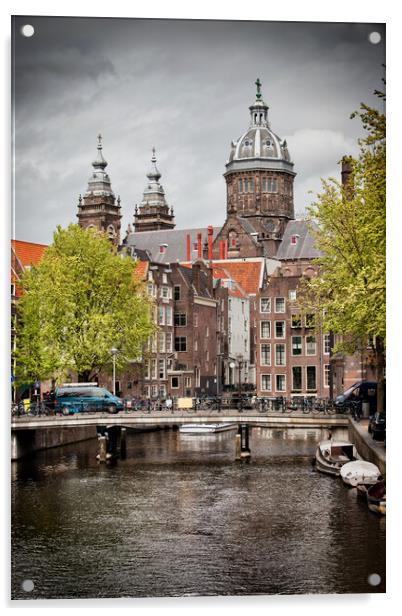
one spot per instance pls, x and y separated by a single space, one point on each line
360 472
331 455
376 498
206 428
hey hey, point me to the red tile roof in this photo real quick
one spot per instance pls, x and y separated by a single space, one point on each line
23 255
141 270
28 253
247 274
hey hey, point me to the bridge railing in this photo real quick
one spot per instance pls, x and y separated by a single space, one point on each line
209 404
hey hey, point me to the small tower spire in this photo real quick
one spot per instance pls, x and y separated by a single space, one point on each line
99 207
153 212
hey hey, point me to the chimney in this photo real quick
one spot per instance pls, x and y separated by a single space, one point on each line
199 245
210 236
188 247
346 174
196 275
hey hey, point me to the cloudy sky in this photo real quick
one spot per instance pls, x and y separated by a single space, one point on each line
185 88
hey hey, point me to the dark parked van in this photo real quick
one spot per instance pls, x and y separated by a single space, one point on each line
362 391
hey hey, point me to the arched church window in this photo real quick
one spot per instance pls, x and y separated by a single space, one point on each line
110 231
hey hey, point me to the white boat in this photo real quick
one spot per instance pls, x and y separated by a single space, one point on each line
360 472
206 428
331 455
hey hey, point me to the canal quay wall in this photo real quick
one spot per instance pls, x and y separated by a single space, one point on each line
25 442
371 450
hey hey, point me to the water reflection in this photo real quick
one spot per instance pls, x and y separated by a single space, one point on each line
180 517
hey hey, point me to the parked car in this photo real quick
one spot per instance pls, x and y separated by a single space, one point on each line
376 426
362 391
85 397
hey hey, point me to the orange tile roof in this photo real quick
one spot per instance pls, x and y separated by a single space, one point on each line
28 253
141 270
247 274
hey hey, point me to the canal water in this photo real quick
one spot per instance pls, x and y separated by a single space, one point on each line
179 517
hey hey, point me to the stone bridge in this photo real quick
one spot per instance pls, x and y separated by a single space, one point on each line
31 433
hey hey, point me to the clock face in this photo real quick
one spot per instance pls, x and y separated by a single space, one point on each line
269 225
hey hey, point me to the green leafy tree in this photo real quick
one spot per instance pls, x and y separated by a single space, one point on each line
348 223
79 302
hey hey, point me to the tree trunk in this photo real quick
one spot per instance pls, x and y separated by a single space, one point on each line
380 365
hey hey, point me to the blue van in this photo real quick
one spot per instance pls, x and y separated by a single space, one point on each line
85 397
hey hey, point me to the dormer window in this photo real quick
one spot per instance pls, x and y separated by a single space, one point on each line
268 143
294 239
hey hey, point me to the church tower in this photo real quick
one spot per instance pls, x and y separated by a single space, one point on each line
154 213
99 209
259 186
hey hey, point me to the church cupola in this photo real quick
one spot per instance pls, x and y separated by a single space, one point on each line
153 213
259 187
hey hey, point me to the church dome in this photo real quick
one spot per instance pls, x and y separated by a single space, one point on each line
259 147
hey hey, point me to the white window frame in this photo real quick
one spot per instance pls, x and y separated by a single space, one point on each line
301 379
269 330
169 342
326 375
292 295
161 342
154 391
284 354
284 383
306 347
315 388
301 347
326 343
171 382
161 315
147 374
161 369
269 379
267 344
154 368
296 314
268 300
276 305
169 315
284 329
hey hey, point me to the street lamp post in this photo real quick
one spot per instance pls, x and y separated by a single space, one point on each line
114 353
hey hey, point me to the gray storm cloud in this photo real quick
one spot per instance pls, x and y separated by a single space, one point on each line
183 87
